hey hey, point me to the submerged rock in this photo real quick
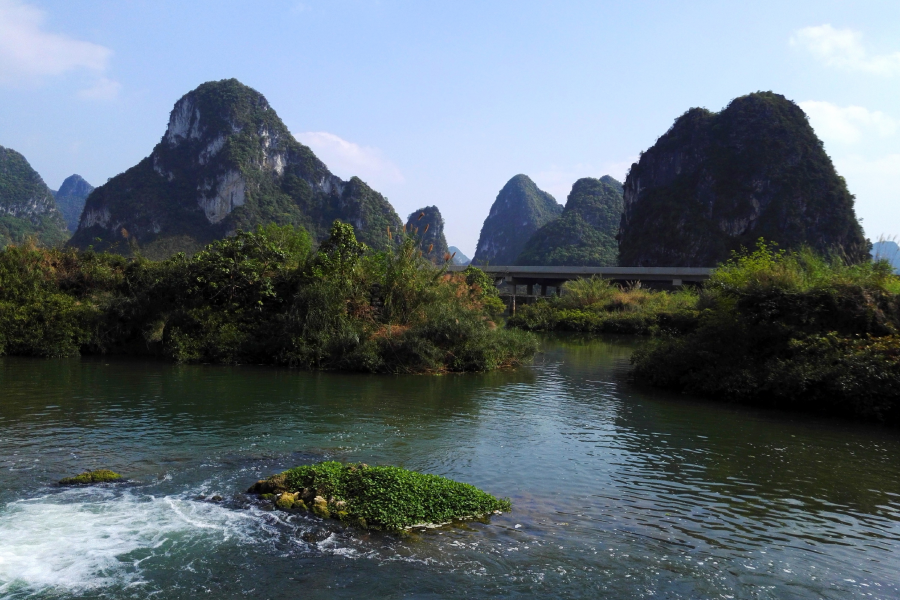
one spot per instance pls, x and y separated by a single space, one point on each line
88 477
388 498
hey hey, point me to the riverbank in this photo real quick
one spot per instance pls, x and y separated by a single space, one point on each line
259 298
770 328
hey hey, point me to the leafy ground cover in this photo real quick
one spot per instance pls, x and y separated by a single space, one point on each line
259 297
376 497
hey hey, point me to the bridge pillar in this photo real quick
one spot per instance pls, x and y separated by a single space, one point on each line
530 289
543 289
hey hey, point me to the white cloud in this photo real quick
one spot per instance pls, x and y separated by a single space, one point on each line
843 48
103 89
847 124
558 180
346 159
28 53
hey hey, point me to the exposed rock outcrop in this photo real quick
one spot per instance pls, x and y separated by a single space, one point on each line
585 234
27 207
718 181
70 199
521 208
226 162
427 225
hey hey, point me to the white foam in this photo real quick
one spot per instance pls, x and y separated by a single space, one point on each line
90 538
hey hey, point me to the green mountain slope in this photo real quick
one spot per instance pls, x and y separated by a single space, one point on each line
521 208
427 225
27 208
585 234
718 181
226 162
70 199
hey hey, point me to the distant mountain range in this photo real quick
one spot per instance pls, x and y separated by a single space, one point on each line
887 250
70 199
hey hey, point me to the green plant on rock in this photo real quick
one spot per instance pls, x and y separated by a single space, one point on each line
88 477
379 497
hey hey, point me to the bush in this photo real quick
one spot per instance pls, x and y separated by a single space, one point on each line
258 297
791 330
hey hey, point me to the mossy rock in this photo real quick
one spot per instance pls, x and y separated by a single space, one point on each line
384 497
88 477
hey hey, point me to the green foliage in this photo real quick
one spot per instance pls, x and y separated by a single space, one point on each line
383 497
793 330
718 181
521 208
585 233
27 208
596 305
98 476
259 298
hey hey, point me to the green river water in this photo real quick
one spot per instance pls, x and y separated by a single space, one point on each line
618 491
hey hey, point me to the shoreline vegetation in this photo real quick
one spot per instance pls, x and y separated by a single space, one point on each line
377 497
771 328
260 297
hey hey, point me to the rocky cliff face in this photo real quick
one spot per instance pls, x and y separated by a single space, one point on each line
585 234
718 181
70 199
521 208
226 162
27 208
427 225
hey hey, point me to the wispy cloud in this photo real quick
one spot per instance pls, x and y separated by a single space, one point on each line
843 48
847 124
346 159
103 89
29 53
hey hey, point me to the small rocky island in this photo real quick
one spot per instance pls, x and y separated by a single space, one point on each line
385 497
88 477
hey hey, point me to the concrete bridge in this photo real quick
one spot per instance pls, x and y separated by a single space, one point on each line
554 277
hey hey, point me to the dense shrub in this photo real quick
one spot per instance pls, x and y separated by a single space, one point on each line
596 305
258 297
791 330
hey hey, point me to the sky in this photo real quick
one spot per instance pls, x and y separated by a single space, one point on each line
443 102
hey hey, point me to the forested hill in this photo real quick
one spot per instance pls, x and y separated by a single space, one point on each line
585 234
226 162
426 225
718 181
27 208
521 208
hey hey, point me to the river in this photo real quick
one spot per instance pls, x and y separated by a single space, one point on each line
618 491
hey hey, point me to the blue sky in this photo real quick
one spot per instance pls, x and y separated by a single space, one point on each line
442 102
